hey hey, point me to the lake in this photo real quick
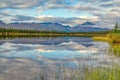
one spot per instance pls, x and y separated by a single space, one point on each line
29 58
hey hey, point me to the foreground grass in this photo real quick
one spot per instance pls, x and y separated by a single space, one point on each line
86 73
103 74
115 49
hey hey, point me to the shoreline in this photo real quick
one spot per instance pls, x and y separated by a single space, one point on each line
111 38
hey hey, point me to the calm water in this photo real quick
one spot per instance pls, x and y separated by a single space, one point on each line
23 58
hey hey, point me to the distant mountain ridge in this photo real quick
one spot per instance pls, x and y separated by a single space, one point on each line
88 23
1 22
48 26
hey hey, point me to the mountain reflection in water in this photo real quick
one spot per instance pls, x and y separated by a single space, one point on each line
34 54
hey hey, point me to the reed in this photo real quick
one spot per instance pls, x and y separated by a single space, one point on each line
115 49
86 73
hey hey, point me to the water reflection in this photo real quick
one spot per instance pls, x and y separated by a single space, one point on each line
36 54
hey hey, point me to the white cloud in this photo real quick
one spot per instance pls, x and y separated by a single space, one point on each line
104 12
20 3
44 16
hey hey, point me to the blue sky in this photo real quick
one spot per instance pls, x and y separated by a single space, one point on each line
104 13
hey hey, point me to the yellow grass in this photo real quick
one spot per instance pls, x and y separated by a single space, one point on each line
102 39
111 37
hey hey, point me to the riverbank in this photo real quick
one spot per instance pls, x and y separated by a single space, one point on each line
36 33
111 37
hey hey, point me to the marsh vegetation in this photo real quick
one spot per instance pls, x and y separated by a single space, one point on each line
113 36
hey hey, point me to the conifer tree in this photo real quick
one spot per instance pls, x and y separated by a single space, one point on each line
116 27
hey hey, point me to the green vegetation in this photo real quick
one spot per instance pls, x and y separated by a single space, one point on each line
35 33
113 36
102 39
116 28
115 49
85 73
103 74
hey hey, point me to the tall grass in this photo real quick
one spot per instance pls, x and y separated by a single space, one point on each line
115 49
85 73
66 73
114 37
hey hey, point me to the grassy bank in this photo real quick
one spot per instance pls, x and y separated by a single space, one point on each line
114 41
111 37
102 39
114 37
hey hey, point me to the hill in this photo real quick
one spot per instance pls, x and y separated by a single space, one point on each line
48 26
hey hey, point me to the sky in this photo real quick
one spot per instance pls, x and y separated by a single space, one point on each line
104 13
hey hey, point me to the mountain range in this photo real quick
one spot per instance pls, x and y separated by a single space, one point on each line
48 26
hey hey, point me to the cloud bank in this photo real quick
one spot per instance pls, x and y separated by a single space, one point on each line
104 13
